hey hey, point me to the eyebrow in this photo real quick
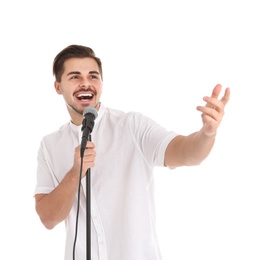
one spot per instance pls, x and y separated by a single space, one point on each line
78 73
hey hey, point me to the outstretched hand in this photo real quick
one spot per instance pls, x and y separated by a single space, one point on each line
213 111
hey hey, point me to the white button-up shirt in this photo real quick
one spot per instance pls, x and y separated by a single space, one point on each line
128 146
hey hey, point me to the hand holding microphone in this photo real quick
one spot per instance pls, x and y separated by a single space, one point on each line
90 114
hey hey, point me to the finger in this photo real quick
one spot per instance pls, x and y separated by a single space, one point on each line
90 145
216 91
210 112
89 158
90 155
214 96
226 96
213 100
214 103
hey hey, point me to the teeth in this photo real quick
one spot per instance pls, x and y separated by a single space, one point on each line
85 95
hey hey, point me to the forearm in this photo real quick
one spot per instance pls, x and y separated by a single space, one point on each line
54 207
197 147
189 150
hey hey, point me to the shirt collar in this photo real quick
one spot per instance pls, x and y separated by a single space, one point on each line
101 112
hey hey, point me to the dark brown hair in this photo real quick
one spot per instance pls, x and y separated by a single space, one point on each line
73 51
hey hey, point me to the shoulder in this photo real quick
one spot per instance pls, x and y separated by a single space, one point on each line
59 132
126 116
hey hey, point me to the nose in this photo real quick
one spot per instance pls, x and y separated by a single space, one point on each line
83 85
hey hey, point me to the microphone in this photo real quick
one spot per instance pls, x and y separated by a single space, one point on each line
90 114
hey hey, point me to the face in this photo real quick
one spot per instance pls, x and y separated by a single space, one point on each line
81 86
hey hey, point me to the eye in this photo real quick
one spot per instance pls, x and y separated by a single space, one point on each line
75 77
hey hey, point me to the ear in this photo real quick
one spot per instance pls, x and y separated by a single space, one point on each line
57 87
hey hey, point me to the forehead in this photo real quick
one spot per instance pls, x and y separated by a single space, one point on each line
81 65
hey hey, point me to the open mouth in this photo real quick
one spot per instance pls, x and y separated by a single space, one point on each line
85 96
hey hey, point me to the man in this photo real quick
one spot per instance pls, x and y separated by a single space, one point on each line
125 148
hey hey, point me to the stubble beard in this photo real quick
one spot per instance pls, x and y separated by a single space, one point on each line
80 111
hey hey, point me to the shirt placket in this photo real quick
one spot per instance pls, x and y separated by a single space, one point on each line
96 220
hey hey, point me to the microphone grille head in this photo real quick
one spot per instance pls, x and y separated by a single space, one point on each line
90 110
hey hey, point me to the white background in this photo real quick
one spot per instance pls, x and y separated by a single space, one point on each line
159 58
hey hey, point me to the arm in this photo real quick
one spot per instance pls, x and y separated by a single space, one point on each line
194 148
54 207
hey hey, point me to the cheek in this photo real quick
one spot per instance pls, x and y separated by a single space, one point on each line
98 91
